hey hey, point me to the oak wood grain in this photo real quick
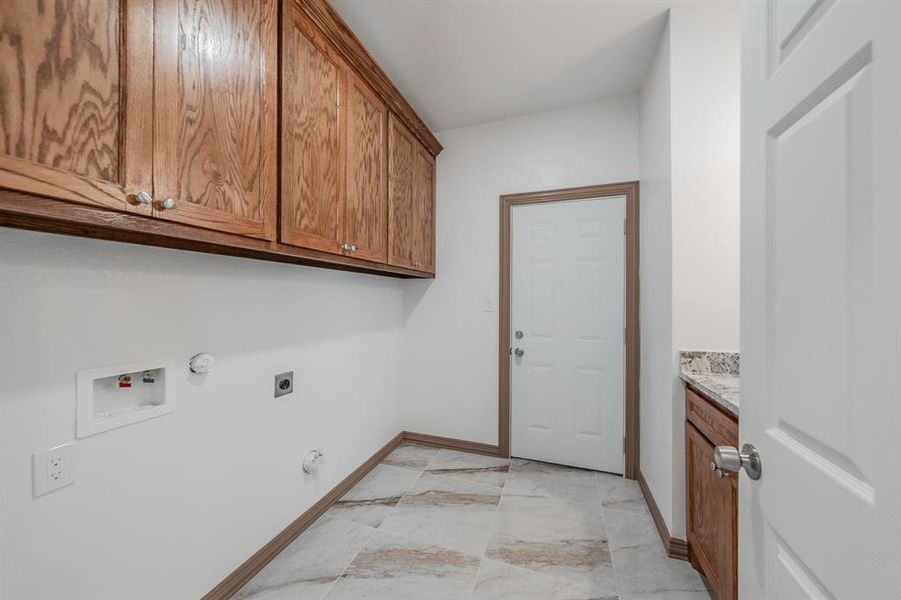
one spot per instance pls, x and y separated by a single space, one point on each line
712 516
327 19
65 130
402 229
211 57
312 136
366 206
719 427
423 234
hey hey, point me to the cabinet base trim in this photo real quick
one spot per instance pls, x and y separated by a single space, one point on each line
253 565
675 547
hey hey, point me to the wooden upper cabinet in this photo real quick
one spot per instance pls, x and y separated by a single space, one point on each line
366 201
314 79
67 129
411 200
401 218
216 93
424 210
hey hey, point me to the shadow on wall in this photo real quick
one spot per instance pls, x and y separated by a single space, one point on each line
60 291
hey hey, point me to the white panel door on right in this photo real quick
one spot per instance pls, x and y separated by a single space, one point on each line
567 318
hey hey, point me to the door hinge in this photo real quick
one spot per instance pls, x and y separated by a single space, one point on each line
624 444
625 337
624 227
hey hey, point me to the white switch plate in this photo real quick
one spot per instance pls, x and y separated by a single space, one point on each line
52 469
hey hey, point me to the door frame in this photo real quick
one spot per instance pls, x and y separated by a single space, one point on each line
629 189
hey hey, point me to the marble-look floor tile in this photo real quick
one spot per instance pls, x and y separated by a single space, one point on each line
446 512
391 567
411 456
553 536
490 470
306 569
647 569
373 498
531 478
627 529
666 595
620 493
499 581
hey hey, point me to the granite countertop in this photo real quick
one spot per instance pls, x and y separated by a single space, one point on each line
715 374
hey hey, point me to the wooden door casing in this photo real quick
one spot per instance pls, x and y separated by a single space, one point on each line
401 209
68 130
366 200
314 80
216 94
712 516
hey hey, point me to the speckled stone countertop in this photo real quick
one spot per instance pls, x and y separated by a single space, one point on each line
716 374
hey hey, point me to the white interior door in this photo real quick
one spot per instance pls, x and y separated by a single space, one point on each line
821 133
567 299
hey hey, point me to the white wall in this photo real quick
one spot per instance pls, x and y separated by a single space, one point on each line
690 226
166 508
655 277
450 384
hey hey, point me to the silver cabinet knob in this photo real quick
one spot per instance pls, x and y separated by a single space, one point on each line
345 247
353 248
519 353
143 198
728 458
167 204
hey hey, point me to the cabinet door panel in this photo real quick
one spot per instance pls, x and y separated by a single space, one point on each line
313 130
68 130
712 518
215 113
402 226
366 209
424 209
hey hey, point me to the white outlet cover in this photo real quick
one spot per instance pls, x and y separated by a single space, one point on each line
52 469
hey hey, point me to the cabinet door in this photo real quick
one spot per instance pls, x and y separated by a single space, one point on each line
712 516
366 207
76 117
402 226
215 135
424 209
313 133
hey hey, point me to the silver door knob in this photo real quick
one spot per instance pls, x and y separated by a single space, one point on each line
519 352
143 198
728 458
518 334
167 204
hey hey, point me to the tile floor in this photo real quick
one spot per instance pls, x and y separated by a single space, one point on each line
446 525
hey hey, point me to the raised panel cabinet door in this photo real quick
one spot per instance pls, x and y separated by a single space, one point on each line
215 136
424 209
76 118
314 79
712 516
402 225
366 207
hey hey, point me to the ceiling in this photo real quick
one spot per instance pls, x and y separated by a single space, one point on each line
462 62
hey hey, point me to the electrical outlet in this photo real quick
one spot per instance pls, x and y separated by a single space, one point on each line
284 384
52 469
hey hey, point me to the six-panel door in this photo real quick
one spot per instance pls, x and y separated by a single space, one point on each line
67 129
215 135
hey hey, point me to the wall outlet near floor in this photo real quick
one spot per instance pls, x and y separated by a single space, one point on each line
52 469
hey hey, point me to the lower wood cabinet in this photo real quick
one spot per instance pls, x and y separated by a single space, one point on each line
711 502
